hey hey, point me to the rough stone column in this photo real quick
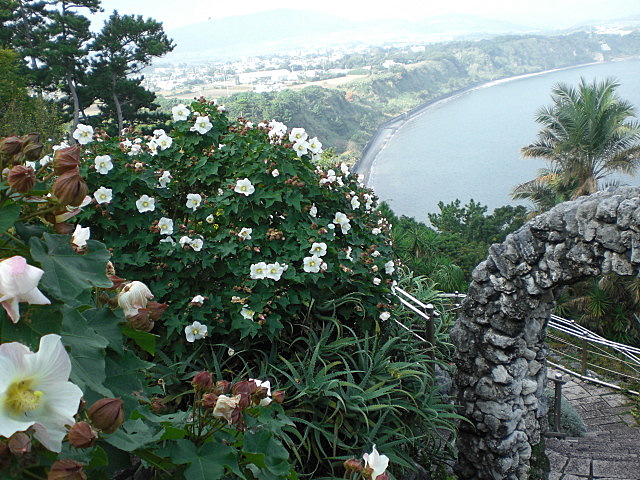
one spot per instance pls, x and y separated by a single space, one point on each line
499 335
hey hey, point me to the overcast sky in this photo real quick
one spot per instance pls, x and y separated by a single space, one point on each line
539 13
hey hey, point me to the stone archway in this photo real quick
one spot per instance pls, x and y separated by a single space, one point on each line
499 335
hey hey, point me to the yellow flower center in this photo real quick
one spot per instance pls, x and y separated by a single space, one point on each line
259 271
195 331
203 125
20 398
145 204
312 263
243 188
103 196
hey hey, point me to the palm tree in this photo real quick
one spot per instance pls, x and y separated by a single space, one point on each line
586 136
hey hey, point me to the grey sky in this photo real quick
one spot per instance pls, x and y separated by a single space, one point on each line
539 13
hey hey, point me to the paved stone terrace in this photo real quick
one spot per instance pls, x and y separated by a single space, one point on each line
610 450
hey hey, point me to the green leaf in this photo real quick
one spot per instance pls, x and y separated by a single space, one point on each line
133 434
98 459
145 340
86 352
206 463
8 216
67 273
106 323
266 451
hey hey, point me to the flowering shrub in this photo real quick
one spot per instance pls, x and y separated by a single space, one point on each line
238 214
71 330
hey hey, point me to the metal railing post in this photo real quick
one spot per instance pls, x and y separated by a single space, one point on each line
585 355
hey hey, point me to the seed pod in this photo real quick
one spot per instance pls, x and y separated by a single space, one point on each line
33 151
65 159
202 381
11 145
82 435
67 470
20 443
107 414
21 179
70 188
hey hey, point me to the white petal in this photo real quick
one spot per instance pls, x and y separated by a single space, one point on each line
51 363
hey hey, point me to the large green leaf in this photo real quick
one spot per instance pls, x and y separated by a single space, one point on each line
134 434
67 273
86 352
264 450
206 463
8 216
35 321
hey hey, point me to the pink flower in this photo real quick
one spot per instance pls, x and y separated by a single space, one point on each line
19 283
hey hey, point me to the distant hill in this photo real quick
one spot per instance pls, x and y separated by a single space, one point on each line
289 30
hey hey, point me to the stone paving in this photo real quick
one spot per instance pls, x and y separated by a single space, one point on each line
610 450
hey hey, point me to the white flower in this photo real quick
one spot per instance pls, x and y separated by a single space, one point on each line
278 129
168 240
80 236
378 463
198 299
311 264
274 271
19 283
318 248
385 316
197 244
221 108
165 225
210 219
342 220
103 164
202 125
344 168
225 407
275 172
45 160
368 201
389 267
375 253
103 195
164 141
194 200
313 211
158 132
184 240
146 204
134 296
245 233
266 384
180 112
83 134
376 231
36 392
347 254
301 147
376 281
315 146
164 179
355 203
195 331
244 187
135 150
247 313
297 135
258 271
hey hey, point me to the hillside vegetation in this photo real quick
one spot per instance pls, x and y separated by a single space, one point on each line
348 116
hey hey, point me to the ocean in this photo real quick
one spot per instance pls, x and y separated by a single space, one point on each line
468 146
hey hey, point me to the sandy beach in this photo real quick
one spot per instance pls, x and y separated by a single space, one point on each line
366 164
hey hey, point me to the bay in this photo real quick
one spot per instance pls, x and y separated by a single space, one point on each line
468 146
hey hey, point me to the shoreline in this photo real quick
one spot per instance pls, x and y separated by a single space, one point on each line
385 132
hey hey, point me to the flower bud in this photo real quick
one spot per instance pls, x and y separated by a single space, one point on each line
70 188
133 296
107 414
209 400
353 465
65 159
30 139
278 396
383 476
20 443
10 145
82 435
202 381
222 387
66 470
33 151
63 228
21 179
157 405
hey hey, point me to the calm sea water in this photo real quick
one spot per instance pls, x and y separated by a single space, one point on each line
468 147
